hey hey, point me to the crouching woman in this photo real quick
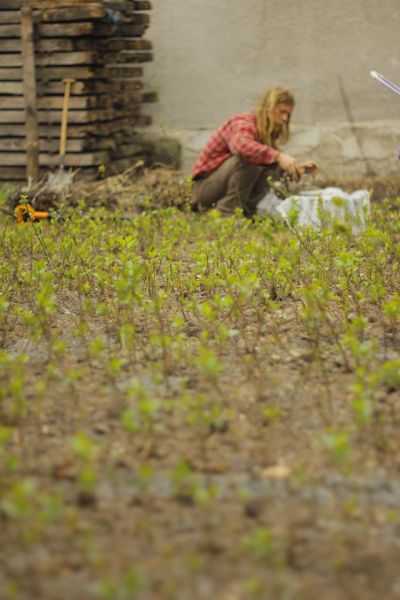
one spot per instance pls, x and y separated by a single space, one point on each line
232 170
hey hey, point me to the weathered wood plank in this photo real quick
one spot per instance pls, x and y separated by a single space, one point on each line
79 73
57 45
141 18
13 130
81 58
12 45
60 59
10 60
97 130
121 30
60 30
8 130
10 74
13 88
12 174
123 71
86 12
11 4
56 102
137 19
54 30
9 17
88 86
77 58
126 57
107 128
17 159
29 99
118 100
142 5
77 45
52 145
57 73
150 97
74 116
10 31
127 44
113 72
51 4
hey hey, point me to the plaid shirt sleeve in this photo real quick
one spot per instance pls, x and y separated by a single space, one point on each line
236 136
242 142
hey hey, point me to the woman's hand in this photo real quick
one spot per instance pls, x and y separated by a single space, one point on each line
287 163
293 168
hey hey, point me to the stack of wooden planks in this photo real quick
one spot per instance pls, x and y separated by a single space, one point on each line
99 45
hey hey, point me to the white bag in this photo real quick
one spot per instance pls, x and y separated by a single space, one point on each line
320 207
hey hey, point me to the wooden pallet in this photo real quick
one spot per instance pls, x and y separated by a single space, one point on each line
99 44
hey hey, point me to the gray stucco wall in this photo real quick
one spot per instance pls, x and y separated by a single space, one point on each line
214 58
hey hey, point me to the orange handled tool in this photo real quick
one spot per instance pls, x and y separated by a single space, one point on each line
26 214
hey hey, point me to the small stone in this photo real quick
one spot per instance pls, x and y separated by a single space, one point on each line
86 499
276 472
100 429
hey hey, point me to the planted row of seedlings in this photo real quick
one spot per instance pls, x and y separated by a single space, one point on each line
217 400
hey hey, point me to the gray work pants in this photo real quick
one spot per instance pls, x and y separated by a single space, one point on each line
234 184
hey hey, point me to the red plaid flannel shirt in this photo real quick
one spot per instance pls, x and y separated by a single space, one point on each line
236 136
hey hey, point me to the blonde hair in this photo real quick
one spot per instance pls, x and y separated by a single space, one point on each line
270 133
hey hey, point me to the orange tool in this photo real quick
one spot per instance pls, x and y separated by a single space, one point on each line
26 214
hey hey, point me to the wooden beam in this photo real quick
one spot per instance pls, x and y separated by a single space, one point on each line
60 59
13 88
120 30
10 74
29 86
142 5
8 17
12 174
56 73
86 12
54 30
80 73
11 4
124 73
56 102
11 60
51 4
13 45
96 130
56 45
74 116
17 159
113 44
88 86
126 57
10 31
52 145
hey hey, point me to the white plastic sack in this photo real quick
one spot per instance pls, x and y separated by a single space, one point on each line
319 207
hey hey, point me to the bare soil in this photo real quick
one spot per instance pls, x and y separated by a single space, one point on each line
236 502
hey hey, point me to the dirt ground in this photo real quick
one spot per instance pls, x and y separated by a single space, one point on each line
216 454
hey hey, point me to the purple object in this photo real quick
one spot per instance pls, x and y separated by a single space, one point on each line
385 82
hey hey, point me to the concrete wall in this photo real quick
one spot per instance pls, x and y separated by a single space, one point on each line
214 58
